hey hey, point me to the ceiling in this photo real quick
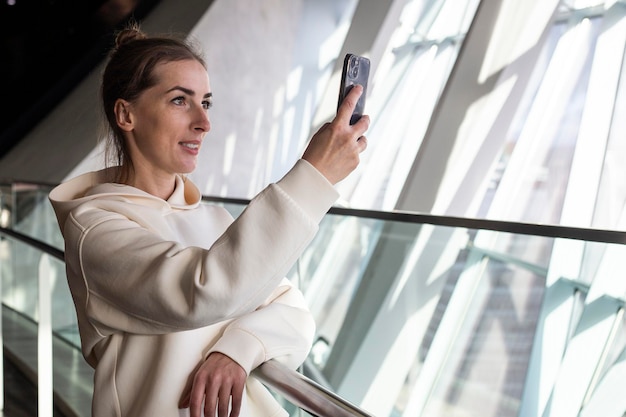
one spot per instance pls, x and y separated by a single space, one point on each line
46 48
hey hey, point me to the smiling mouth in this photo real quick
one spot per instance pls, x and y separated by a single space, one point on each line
191 145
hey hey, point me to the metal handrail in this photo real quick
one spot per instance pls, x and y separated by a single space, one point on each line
304 392
37 244
521 228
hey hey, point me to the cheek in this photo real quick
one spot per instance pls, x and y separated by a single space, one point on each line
156 131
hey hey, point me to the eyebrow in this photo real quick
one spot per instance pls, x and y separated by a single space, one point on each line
188 91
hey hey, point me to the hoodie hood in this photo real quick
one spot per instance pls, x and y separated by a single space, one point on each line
93 186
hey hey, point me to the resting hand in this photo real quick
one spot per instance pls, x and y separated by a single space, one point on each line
334 150
218 382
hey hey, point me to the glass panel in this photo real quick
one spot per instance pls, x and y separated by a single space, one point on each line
486 367
416 319
439 266
20 274
33 214
329 272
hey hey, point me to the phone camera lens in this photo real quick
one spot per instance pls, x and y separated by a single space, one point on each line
354 67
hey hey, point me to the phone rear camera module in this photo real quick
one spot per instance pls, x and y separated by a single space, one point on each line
354 71
354 68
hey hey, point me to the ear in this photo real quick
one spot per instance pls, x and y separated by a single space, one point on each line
123 115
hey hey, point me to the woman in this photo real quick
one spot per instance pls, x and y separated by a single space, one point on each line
176 302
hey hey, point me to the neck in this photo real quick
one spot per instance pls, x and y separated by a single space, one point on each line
161 187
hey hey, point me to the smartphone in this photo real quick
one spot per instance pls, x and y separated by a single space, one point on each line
356 70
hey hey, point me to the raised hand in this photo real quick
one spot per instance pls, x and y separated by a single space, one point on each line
334 149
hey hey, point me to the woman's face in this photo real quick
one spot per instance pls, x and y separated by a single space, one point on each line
167 123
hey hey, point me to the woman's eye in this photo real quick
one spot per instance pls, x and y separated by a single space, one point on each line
207 104
179 100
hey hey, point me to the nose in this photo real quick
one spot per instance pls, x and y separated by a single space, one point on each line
202 121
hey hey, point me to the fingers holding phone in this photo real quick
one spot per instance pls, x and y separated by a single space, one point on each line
355 71
347 111
334 150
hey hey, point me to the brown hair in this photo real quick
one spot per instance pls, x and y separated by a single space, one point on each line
129 72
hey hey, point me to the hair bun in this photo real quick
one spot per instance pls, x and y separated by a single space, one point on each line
129 34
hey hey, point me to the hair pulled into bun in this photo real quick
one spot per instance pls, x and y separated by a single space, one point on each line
130 33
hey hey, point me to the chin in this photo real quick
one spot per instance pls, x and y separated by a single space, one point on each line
187 168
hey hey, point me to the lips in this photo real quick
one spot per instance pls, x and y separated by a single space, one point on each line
189 145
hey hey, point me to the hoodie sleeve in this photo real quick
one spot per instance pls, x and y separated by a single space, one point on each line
282 329
125 277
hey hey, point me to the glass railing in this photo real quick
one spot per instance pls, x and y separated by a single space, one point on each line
24 208
425 315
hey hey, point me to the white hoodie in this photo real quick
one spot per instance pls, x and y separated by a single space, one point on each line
159 285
